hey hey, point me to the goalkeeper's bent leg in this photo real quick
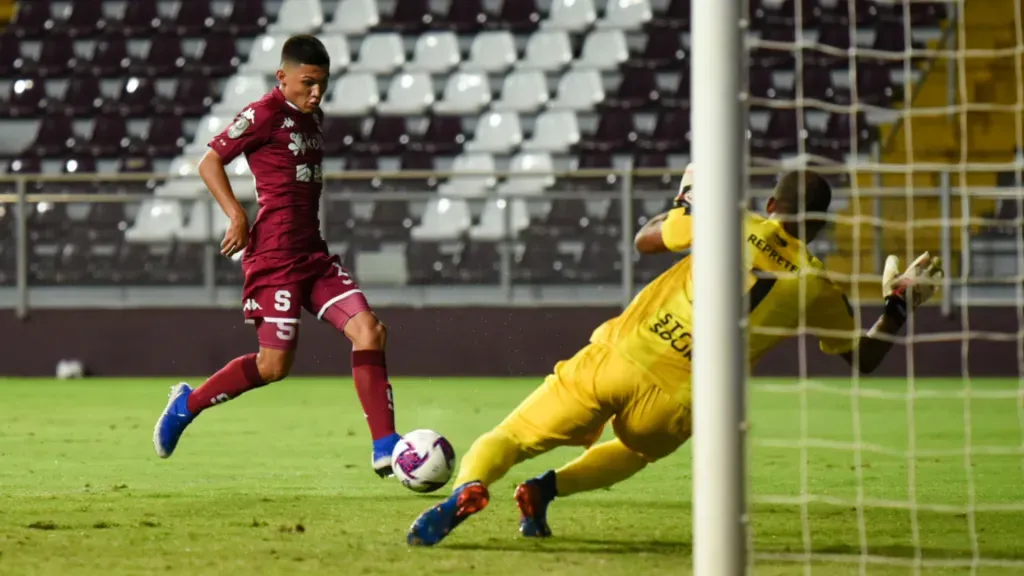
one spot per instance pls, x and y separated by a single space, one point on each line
600 466
490 458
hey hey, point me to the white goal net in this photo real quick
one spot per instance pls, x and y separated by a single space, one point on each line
915 111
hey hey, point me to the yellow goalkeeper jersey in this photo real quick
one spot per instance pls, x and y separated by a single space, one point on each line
655 332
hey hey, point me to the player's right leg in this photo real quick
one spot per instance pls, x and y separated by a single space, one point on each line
559 413
278 337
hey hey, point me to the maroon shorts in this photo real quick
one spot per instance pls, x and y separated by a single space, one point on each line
276 289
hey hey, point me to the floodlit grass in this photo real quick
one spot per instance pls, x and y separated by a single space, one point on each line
279 482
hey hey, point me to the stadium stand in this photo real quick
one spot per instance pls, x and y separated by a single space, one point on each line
525 86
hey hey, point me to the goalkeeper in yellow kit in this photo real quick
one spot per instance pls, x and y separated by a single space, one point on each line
635 372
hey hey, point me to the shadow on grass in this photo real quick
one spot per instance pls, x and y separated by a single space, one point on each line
578 545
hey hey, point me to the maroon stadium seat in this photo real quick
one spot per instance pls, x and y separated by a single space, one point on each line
464 16
26 98
516 16
601 262
218 58
410 16
671 133
592 161
55 57
194 18
663 49
387 137
165 137
109 137
136 97
638 89
193 96
656 161
164 58
480 263
82 98
615 132
427 264
32 19
141 18
340 133
10 53
110 58
86 19
676 16
539 262
55 137
248 18
442 136
681 96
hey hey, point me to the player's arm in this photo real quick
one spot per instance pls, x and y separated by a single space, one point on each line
249 131
916 285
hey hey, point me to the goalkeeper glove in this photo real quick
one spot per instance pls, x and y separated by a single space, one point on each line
685 195
914 286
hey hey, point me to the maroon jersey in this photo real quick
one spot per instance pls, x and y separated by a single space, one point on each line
284 148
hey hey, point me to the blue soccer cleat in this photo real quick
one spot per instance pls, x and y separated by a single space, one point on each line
381 459
173 421
533 498
433 525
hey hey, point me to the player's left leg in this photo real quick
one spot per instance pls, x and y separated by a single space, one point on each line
336 299
650 426
559 413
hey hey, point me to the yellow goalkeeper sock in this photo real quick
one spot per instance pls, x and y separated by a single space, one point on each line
599 467
490 457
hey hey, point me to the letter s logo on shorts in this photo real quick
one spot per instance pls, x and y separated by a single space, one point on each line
282 300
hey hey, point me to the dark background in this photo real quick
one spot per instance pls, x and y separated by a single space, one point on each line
484 341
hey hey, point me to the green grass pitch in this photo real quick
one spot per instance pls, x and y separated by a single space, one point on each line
279 482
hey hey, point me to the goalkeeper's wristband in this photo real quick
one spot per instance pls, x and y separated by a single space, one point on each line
896 309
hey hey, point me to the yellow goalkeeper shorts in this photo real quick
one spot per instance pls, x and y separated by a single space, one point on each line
583 393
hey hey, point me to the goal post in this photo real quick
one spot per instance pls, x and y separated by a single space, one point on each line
719 365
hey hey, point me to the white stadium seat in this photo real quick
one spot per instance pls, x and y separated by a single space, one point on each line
264 55
435 53
472 176
354 17
206 222
443 219
408 94
547 50
158 220
523 91
493 220
626 14
298 17
184 182
240 91
465 93
337 48
496 133
529 173
491 52
578 90
603 50
242 182
355 94
554 131
209 126
571 15
380 54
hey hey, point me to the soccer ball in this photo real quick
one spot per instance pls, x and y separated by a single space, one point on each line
423 460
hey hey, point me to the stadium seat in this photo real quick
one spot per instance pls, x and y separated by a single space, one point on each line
55 137
18 135
56 55
191 19
662 50
242 182
247 18
464 17
217 57
82 18
495 224
206 222
380 54
135 97
615 132
638 89
109 57
209 126
337 47
443 136
355 94
671 134
547 51
675 17
443 219
27 98
578 90
298 17
555 131
353 17
491 52
109 137
163 58
465 93
265 54
10 54
603 50
529 173
340 133
518 16
158 220
626 14
496 133
408 93
240 91
32 19
480 263
470 176
387 137
571 15
522 91
409 16
184 181
435 53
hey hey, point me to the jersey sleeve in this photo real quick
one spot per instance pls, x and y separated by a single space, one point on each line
677 230
833 315
249 130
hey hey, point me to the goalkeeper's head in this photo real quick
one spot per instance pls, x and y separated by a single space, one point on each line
801 195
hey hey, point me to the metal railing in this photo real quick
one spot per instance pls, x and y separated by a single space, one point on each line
656 186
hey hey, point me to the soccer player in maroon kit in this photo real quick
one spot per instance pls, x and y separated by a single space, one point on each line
286 263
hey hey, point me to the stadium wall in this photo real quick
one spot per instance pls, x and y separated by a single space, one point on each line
441 341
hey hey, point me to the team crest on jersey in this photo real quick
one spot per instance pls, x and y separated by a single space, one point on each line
245 119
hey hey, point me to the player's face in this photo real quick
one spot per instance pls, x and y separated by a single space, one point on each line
303 85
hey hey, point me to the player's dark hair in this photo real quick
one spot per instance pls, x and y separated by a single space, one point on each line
816 194
305 49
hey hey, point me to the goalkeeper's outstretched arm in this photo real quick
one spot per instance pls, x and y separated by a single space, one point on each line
911 288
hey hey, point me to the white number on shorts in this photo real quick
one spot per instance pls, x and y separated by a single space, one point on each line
346 279
285 331
282 300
